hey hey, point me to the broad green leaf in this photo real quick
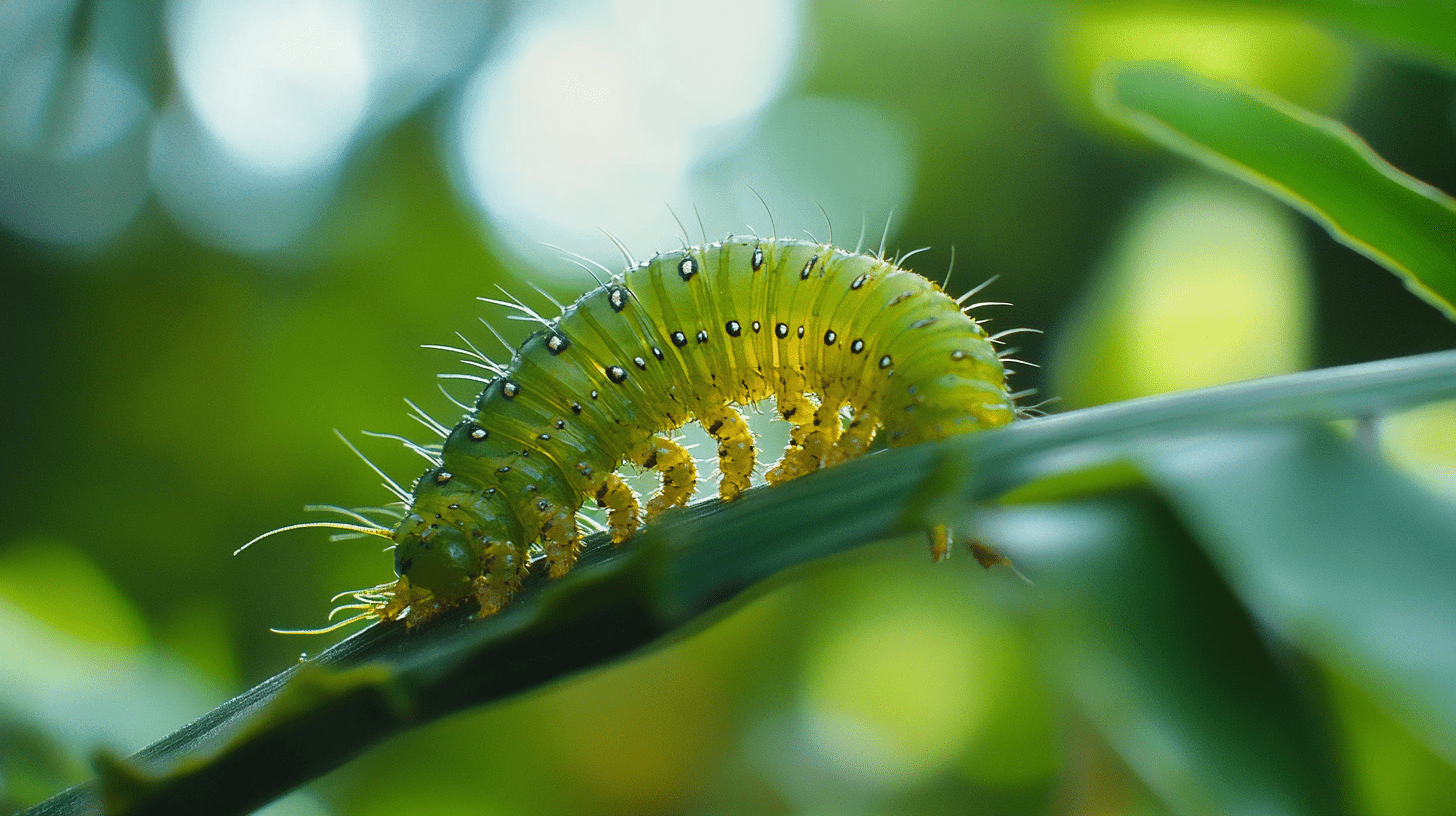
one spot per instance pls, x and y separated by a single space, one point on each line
1314 164
1163 659
680 574
1334 550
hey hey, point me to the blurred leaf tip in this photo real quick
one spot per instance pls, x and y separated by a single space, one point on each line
1312 163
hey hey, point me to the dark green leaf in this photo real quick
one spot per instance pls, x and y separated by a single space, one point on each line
1165 661
1335 551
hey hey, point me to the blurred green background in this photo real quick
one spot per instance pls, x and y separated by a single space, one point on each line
228 228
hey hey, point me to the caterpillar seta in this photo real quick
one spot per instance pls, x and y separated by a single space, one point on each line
847 344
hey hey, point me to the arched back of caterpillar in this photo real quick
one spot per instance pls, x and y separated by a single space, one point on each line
848 345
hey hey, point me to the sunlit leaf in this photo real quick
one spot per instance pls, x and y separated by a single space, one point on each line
1314 164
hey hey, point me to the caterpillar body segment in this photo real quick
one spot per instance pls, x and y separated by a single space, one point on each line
829 335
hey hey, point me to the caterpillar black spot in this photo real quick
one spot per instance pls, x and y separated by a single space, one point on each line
658 346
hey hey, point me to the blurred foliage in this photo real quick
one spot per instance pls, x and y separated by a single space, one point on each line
1313 163
170 399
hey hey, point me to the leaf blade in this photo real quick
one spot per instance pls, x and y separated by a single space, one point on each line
688 567
1165 661
1335 551
1315 164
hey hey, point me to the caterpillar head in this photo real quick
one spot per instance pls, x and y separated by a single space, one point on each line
438 558
442 545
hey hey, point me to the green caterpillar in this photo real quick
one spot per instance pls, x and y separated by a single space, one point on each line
686 336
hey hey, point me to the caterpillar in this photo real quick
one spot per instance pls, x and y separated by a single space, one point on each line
849 345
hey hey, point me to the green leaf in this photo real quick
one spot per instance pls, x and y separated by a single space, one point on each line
1335 551
1312 163
681 574
1149 641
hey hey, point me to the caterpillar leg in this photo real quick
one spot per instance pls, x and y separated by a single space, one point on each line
504 570
826 430
622 507
559 536
421 604
401 597
800 412
735 448
856 439
674 464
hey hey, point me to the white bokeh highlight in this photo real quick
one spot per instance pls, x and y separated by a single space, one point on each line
72 133
222 202
283 85
598 115
415 46
275 95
